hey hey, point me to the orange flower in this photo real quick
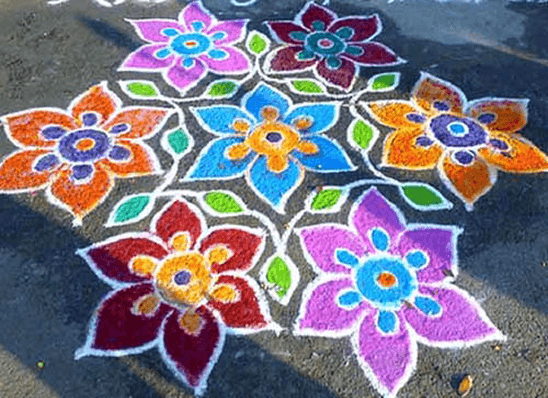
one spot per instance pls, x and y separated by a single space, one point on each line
77 154
467 142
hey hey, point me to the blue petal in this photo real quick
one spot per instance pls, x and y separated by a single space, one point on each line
274 187
427 305
220 118
323 116
380 239
416 259
387 321
347 258
349 299
330 157
263 96
212 162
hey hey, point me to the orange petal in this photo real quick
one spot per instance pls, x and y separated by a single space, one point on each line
97 99
469 182
142 122
143 161
393 113
401 151
521 157
16 171
277 163
24 127
238 151
509 115
430 90
80 199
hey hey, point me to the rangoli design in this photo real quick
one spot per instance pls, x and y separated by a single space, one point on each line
182 286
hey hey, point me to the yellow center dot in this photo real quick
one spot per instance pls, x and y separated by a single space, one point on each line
85 144
191 43
386 279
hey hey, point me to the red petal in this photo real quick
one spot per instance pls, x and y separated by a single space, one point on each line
285 60
282 29
244 313
143 122
97 99
317 13
178 217
112 258
193 356
244 245
364 27
342 77
510 114
373 54
16 171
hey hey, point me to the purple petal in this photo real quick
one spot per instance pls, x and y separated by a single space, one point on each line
151 29
322 241
194 12
363 28
440 244
373 54
236 61
285 60
283 30
144 58
462 321
343 76
375 211
182 78
316 13
389 359
234 31
321 315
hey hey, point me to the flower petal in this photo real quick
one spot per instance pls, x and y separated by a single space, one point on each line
388 359
322 116
142 161
111 259
522 155
235 61
401 150
246 248
462 321
176 217
195 12
151 29
433 94
23 128
143 122
193 356
282 31
246 311
313 13
17 171
145 59
213 162
469 182
220 118
394 113
234 31
116 330
184 79
342 77
508 115
322 241
375 54
262 96
274 187
330 157
440 245
286 60
98 99
320 315
363 28
81 198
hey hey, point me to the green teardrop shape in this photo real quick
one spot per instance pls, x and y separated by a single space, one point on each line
222 203
326 199
142 89
178 141
422 195
384 81
278 274
307 86
223 88
131 208
362 134
257 44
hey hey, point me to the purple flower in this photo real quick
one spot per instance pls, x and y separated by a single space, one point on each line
335 46
186 49
387 285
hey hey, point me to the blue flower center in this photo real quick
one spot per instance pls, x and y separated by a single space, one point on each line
190 44
324 43
182 278
455 131
85 145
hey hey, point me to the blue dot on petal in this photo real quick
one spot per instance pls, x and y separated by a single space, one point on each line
427 305
218 36
198 26
89 119
119 153
380 239
416 259
163 53
318 25
188 62
53 132
349 299
217 54
82 171
46 162
347 258
170 32
387 321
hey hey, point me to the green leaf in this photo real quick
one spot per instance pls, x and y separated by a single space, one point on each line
326 199
307 86
178 141
257 43
279 275
142 89
424 197
384 81
222 88
222 203
130 209
362 134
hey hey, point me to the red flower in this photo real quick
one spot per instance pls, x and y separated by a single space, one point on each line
177 288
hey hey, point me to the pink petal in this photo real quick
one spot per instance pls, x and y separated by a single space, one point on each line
151 29
282 30
144 59
374 54
462 321
182 78
285 60
234 31
194 12
364 27
236 61
343 77
178 217
320 315
322 241
314 13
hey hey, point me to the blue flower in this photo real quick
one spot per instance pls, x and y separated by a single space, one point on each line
270 141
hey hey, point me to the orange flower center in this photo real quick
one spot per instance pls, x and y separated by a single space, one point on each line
85 144
386 279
